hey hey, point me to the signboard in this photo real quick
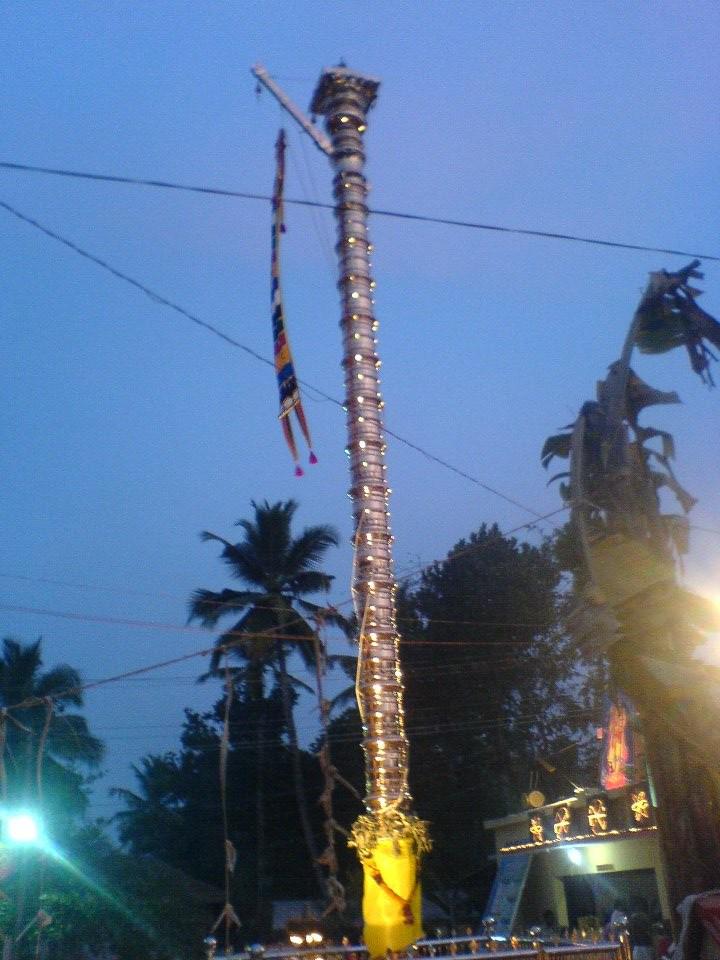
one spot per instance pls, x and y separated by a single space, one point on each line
507 890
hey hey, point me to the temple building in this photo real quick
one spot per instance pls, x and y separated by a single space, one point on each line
574 858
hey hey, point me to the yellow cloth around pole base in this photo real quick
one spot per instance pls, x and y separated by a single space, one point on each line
392 898
390 843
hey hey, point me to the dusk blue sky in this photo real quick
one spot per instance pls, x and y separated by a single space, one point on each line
126 430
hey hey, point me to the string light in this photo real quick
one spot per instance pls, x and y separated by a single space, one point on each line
344 104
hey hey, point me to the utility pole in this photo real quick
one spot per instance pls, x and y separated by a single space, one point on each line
389 839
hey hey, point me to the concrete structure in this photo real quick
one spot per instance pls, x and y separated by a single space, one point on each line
576 857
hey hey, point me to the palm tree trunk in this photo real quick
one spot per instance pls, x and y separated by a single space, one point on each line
298 778
261 877
23 852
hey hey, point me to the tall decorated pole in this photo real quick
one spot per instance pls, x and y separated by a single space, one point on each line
389 839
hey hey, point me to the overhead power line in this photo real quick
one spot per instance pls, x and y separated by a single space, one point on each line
539 624
394 214
211 328
406 575
275 635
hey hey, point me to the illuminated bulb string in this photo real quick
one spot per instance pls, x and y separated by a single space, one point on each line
344 103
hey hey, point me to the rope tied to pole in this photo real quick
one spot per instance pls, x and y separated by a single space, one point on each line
227 914
328 858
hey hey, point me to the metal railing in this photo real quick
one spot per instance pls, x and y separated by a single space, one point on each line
466 947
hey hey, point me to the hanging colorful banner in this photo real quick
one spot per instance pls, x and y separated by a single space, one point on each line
284 366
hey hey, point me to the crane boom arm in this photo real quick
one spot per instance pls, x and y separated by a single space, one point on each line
320 140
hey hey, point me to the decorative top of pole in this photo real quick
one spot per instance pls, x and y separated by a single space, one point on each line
336 80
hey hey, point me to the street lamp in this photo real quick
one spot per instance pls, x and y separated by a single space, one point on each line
22 828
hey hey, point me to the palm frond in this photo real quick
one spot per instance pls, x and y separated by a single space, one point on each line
62 683
669 317
310 581
70 739
649 433
242 558
268 536
132 799
556 446
346 698
639 395
237 674
346 662
208 606
558 476
296 683
20 664
250 639
307 550
328 615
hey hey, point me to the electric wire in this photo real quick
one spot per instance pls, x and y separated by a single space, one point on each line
304 174
216 648
197 628
184 657
129 674
193 318
421 619
424 728
394 214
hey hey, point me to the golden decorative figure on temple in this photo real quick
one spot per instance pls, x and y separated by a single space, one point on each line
561 826
597 816
640 807
537 830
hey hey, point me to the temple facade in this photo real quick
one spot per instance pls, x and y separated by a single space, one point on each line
574 858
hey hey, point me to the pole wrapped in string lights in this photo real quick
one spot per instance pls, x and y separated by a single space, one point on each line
389 838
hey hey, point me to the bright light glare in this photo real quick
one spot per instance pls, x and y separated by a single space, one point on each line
574 856
22 828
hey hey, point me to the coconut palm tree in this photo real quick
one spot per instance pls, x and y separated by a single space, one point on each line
44 721
151 821
272 616
43 747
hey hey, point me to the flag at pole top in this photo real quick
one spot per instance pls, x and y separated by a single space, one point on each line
290 399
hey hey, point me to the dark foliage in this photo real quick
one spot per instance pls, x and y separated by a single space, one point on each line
175 815
492 688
